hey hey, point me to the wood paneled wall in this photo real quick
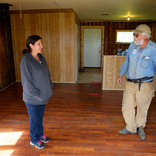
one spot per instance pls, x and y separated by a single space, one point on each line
110 47
153 28
111 69
58 37
7 70
57 30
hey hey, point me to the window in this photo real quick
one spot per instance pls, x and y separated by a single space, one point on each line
124 36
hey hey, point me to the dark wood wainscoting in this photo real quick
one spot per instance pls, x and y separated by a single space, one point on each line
110 46
7 70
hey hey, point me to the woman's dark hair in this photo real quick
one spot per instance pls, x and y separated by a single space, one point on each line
31 39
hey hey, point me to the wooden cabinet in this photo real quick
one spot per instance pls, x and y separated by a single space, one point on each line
111 68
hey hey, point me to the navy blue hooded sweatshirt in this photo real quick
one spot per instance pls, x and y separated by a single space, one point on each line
36 81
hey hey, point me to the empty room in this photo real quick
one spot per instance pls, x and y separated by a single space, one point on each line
75 77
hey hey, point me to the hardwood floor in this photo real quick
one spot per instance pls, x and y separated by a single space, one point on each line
78 124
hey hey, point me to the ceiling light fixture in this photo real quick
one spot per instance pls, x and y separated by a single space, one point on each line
128 18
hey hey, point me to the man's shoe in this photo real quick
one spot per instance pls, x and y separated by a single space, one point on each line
125 131
141 132
38 145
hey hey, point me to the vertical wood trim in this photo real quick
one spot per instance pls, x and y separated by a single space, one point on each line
2 84
82 44
78 22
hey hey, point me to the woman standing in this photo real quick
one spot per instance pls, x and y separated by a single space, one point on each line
37 88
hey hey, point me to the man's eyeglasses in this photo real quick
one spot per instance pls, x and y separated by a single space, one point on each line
136 35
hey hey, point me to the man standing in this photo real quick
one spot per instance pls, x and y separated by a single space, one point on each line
139 67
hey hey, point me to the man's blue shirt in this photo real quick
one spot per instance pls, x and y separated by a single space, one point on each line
139 63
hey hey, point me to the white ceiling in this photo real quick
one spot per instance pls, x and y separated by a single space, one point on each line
90 10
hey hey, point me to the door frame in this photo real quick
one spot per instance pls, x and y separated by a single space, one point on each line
76 51
82 43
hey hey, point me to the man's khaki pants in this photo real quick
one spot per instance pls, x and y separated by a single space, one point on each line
132 98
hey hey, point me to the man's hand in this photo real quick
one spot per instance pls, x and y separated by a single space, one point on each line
119 79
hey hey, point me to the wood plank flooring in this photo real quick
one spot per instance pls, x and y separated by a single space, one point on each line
78 124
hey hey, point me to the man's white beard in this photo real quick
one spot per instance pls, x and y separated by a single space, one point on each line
137 42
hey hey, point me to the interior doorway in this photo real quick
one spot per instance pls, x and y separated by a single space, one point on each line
90 75
76 52
92 72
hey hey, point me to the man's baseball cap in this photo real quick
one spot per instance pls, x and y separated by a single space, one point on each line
142 28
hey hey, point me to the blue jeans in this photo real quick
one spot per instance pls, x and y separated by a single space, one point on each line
36 113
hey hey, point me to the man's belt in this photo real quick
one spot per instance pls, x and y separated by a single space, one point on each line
140 81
